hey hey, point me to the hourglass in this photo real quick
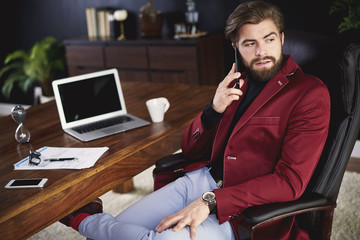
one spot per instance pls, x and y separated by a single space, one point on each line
22 134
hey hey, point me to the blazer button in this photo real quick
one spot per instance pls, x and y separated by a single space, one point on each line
196 133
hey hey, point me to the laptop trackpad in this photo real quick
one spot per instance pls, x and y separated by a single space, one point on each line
114 129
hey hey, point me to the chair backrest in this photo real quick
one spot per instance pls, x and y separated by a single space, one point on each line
344 127
315 54
318 55
340 71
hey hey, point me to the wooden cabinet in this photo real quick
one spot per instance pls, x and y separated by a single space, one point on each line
90 56
127 57
193 61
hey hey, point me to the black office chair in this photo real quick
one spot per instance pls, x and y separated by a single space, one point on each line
314 209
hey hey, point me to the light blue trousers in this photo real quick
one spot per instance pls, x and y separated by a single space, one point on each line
140 220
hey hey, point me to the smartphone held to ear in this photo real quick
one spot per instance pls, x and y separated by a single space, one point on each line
26 183
237 67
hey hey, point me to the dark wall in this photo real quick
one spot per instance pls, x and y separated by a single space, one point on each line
32 20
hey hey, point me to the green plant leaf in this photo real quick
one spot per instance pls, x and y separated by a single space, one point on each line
39 64
9 84
350 10
19 54
6 89
26 84
11 67
59 64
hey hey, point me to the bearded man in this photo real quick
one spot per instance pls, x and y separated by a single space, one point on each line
259 142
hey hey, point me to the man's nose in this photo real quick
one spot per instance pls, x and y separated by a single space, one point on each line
260 50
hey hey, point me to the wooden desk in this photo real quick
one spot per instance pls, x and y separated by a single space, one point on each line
23 212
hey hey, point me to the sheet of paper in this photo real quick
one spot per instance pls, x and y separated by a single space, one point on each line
85 158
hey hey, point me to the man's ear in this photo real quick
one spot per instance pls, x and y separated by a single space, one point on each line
282 38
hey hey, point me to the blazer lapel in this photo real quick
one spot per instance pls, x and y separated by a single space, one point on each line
279 81
270 90
225 123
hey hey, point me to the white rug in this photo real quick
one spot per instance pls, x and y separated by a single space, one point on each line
346 225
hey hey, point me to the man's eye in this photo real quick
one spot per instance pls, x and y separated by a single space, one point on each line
249 44
269 40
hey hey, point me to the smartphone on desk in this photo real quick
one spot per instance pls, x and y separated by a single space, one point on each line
26 183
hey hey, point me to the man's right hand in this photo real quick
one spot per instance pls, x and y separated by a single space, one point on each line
225 95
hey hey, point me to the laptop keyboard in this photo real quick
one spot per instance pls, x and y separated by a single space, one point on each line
102 124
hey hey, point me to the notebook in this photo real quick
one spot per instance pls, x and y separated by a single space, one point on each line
92 105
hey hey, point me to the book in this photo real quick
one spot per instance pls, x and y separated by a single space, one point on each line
100 23
91 22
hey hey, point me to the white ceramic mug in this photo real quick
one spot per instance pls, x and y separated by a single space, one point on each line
157 108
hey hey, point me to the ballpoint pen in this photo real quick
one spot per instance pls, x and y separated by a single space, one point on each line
60 159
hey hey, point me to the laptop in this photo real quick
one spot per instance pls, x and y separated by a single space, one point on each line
92 106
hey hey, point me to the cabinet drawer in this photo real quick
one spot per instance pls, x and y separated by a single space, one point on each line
128 75
76 70
126 57
91 56
172 57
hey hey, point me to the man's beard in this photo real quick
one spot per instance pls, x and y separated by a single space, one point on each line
264 75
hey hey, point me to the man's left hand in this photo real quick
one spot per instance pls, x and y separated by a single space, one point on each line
192 215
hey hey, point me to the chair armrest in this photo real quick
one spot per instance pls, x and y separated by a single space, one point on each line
307 202
171 162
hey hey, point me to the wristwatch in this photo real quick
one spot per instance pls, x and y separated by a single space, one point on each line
209 199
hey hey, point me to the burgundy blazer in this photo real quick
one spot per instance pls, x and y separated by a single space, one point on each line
275 146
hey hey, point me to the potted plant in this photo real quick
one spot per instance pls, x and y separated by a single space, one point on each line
36 66
350 11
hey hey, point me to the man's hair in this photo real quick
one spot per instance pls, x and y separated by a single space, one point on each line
253 13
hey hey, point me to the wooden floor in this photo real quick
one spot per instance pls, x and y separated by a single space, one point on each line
353 165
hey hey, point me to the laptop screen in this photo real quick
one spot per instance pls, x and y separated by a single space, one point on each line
93 97
89 97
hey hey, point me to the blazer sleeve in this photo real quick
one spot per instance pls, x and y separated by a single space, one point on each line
302 146
197 141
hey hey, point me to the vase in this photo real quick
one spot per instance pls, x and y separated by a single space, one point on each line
150 21
39 98
191 17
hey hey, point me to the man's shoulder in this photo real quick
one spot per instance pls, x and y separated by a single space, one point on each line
305 80
295 75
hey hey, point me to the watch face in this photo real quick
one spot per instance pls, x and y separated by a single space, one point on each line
209 196
209 199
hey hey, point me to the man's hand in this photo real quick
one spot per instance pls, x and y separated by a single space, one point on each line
192 215
224 95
